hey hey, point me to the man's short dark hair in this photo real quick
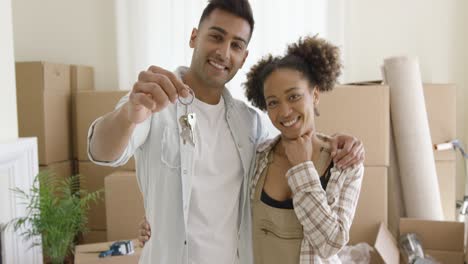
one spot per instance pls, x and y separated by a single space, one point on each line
240 8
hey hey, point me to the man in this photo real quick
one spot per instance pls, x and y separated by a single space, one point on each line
195 195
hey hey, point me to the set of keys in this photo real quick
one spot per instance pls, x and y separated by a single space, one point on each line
188 120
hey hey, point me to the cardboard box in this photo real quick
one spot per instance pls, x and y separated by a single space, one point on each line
442 240
89 105
386 247
93 179
372 206
82 78
361 111
123 212
89 254
94 236
44 108
441 109
446 173
442 115
62 169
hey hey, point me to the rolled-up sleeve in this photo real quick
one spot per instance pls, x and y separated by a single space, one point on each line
138 137
325 216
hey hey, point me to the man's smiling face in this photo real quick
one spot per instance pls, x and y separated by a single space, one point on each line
220 47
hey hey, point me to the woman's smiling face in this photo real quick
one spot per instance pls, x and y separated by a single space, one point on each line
290 102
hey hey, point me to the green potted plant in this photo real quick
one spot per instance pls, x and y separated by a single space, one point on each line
56 212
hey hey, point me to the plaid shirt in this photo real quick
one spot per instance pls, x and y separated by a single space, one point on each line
326 216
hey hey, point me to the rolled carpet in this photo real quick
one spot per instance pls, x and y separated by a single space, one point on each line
412 139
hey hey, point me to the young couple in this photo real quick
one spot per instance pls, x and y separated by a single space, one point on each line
233 196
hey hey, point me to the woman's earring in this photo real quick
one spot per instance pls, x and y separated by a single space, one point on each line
316 111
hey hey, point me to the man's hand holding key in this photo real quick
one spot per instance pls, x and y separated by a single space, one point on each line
155 89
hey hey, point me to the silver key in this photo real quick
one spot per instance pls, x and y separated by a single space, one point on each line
187 135
192 120
187 131
187 121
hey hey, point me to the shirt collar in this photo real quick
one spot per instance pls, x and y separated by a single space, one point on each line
268 145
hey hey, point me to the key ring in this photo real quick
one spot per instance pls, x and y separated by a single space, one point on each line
182 101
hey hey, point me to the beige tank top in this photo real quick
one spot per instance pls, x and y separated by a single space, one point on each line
277 233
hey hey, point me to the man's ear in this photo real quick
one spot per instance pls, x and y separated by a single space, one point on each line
193 38
245 57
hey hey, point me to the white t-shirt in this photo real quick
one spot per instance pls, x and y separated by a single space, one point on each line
214 205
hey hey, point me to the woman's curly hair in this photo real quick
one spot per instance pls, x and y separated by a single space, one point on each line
317 59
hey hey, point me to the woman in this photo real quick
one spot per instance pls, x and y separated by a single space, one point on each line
302 204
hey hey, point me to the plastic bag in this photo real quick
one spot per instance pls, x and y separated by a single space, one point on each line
357 254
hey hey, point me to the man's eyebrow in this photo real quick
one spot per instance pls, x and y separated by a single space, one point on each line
224 32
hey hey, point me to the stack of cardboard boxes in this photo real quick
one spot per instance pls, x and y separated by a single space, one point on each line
57 103
89 105
44 107
363 110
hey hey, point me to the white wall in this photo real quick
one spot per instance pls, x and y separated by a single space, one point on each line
435 31
71 32
8 115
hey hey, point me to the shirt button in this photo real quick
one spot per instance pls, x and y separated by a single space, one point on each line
185 242
185 171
